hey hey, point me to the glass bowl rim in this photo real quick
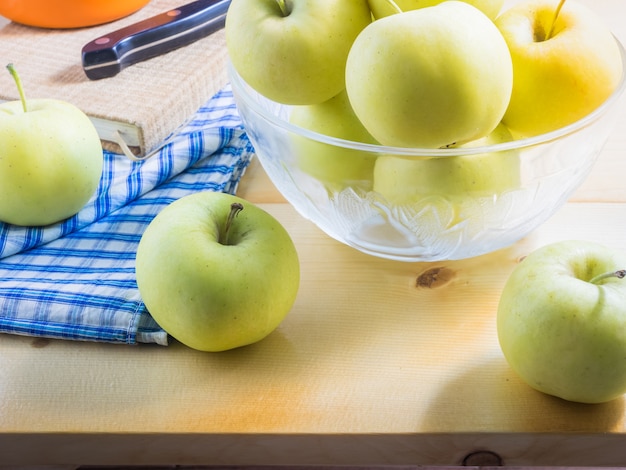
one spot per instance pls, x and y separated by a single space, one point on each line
240 85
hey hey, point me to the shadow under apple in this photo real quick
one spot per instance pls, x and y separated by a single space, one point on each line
494 398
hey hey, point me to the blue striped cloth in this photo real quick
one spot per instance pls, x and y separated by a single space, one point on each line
76 279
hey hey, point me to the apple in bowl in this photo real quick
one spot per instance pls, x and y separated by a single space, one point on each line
382 8
334 166
431 77
294 51
566 63
432 194
408 180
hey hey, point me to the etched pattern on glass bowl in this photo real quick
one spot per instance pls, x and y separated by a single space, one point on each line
433 226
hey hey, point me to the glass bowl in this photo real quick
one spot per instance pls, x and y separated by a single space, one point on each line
519 184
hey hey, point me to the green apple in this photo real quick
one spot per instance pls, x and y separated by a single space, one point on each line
491 8
50 160
336 166
561 321
431 77
382 8
408 180
294 51
217 272
566 63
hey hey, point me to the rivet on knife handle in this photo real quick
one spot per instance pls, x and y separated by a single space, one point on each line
107 55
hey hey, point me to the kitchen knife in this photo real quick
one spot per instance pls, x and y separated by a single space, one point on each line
107 55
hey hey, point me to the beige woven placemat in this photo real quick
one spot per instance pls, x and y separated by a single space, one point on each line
156 96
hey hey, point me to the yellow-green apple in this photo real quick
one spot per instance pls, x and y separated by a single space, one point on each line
332 164
294 51
217 272
431 77
561 321
50 160
566 63
408 180
382 8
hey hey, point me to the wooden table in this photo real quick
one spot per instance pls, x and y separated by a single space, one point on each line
368 368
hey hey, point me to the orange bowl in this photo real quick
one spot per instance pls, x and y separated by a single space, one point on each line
67 13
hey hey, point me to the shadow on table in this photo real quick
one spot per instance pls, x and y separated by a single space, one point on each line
495 399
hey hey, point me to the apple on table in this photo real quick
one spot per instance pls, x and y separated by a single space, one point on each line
217 272
561 321
50 160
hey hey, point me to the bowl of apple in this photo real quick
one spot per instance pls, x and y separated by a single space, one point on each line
419 153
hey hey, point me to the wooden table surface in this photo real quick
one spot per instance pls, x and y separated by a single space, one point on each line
367 369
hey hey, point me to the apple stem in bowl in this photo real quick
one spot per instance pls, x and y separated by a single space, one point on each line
382 8
395 6
18 83
556 15
620 274
284 7
235 208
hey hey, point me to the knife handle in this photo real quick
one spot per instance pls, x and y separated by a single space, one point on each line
107 55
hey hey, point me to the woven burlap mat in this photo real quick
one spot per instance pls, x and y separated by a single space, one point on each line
158 96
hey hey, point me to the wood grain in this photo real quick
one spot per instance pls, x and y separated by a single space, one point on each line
368 358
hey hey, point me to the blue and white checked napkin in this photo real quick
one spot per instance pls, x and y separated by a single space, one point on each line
76 279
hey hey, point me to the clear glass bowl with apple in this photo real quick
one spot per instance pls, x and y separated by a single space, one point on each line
423 204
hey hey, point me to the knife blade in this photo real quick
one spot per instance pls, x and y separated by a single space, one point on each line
107 55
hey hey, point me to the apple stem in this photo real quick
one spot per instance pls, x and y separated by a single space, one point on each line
395 6
620 274
235 208
556 15
18 83
284 8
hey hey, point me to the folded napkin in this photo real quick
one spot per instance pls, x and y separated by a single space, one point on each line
76 279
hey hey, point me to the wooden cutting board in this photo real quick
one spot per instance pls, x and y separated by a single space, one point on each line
146 103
